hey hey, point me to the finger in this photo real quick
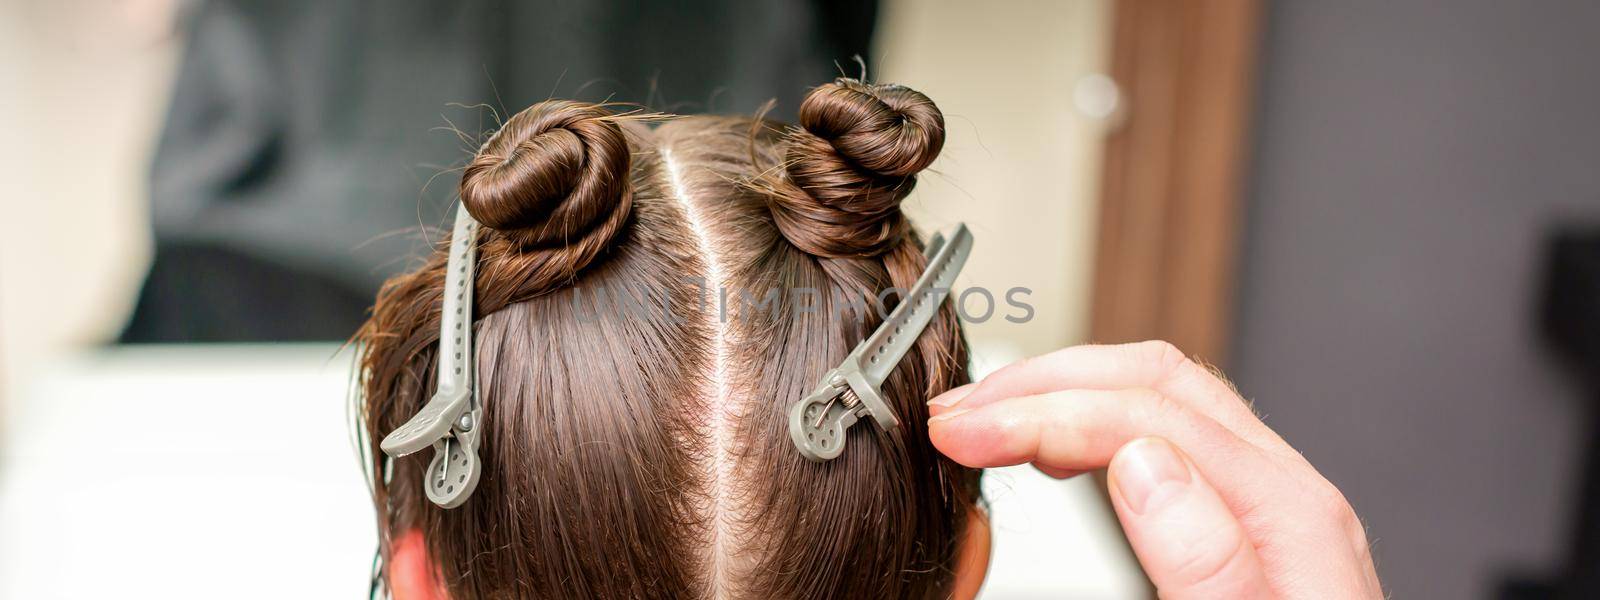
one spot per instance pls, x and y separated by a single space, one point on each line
1097 367
1083 430
955 397
1080 430
1156 365
943 402
1188 541
1057 473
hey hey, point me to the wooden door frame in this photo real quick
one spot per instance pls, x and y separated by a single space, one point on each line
1171 184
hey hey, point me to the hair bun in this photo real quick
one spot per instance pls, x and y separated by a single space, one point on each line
855 159
891 130
555 174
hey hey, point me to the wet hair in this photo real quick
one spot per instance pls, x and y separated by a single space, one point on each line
649 304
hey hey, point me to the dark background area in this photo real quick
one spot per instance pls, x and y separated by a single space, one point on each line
1410 160
310 146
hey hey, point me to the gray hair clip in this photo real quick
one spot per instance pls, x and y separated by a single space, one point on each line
452 419
818 423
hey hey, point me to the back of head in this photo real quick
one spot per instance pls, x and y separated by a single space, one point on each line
650 303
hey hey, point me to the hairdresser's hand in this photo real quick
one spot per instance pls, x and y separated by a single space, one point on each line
1215 504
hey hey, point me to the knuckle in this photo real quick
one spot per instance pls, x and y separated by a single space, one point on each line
1014 369
1332 505
1162 353
1332 501
1150 406
1346 523
1350 523
1359 543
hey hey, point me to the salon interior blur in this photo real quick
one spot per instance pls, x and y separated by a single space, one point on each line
1380 218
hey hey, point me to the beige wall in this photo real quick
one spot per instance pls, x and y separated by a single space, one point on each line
83 84
1020 84
1020 163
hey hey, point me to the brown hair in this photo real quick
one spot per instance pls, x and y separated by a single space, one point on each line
640 455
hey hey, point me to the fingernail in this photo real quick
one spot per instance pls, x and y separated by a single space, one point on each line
946 416
952 397
1149 472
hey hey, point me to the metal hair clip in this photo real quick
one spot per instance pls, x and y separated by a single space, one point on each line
849 392
452 419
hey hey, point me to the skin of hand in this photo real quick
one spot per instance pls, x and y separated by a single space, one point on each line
1214 503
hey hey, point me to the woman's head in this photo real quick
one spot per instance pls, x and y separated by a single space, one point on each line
649 304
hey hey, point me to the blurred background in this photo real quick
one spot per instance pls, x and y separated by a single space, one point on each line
1381 218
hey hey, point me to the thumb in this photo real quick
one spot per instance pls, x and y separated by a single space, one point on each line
1186 539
